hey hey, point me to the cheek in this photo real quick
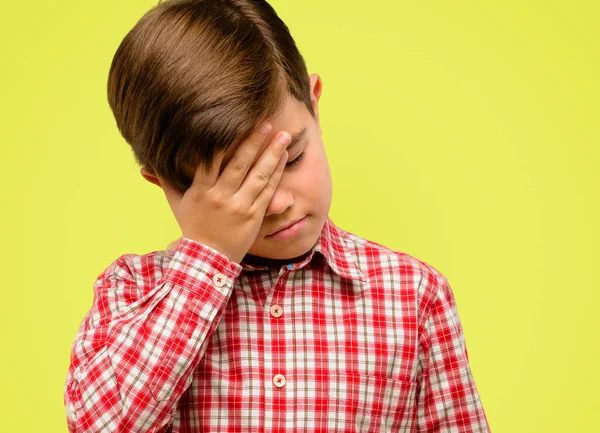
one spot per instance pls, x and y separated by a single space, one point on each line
314 178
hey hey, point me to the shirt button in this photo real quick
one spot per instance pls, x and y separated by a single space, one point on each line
279 380
70 412
220 280
276 310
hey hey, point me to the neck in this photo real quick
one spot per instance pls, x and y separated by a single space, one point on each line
271 263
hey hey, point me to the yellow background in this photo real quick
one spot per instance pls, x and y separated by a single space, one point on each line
464 133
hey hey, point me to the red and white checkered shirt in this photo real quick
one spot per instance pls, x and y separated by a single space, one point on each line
355 337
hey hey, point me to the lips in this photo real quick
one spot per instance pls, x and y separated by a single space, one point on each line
286 225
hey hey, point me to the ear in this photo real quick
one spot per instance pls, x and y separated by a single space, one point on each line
316 88
150 176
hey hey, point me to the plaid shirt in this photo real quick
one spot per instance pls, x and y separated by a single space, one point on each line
356 338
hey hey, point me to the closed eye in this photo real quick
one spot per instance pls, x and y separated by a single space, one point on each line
295 161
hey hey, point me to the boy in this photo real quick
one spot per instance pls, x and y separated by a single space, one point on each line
264 315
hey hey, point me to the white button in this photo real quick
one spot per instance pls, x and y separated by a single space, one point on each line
220 280
279 380
276 310
70 411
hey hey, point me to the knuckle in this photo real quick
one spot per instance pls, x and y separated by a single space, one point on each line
217 199
254 143
270 186
237 208
239 166
262 176
197 196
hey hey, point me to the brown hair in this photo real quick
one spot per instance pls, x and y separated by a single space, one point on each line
194 77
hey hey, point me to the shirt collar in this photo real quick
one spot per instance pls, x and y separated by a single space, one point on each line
333 245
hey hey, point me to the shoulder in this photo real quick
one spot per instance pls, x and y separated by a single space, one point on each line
123 283
141 269
377 260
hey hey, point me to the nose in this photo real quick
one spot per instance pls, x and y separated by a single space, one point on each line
282 200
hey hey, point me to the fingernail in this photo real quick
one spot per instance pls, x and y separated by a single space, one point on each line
265 129
284 138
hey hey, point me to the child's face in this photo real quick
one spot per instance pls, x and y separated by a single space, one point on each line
304 189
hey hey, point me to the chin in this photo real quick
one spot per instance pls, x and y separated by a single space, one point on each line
285 249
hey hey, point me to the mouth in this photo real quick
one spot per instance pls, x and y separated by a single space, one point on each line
286 226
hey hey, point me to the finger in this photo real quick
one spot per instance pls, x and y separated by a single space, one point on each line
236 170
261 173
264 197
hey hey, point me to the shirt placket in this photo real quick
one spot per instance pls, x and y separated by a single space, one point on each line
276 381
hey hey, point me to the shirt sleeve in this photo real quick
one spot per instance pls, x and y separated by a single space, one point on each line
136 349
448 400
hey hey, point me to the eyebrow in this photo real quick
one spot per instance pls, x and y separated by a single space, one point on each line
296 138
